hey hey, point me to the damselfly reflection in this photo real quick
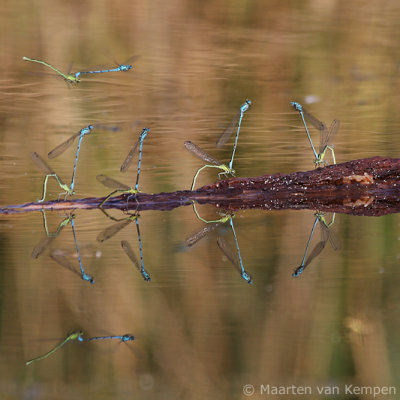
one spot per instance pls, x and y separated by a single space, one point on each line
203 232
115 228
120 223
326 136
78 336
45 242
129 252
61 259
235 259
326 234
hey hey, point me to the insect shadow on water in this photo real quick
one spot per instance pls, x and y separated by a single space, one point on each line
223 245
326 234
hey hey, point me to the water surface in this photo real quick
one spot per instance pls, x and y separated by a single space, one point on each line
201 330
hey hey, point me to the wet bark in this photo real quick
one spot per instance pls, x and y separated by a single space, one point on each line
369 186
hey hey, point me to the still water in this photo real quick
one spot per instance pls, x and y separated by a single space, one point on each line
201 331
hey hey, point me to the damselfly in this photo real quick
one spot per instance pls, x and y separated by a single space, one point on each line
41 164
120 68
63 146
127 162
116 185
70 78
226 134
326 136
121 187
214 163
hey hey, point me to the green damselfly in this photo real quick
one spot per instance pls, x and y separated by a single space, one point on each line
70 78
214 163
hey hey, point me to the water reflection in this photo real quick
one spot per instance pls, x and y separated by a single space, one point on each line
235 259
129 252
61 259
120 224
198 61
49 238
79 337
113 229
326 234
